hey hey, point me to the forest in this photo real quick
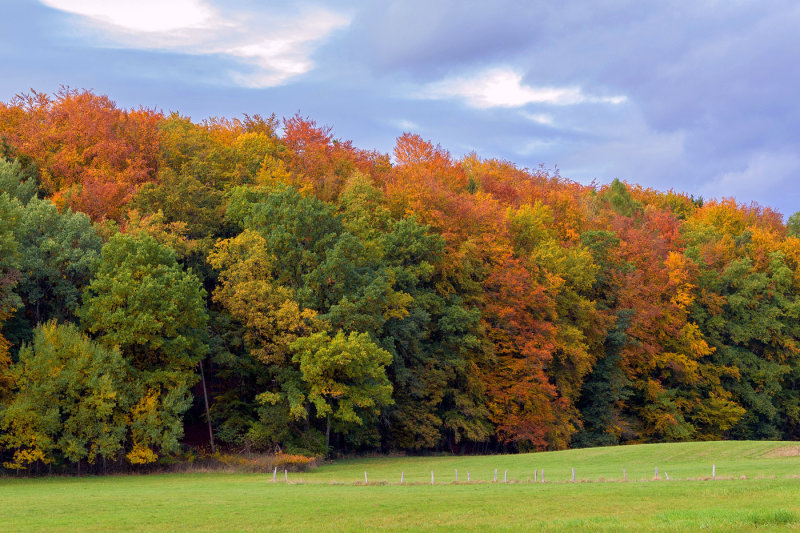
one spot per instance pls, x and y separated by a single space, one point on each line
257 284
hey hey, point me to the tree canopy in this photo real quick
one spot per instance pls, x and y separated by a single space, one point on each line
321 298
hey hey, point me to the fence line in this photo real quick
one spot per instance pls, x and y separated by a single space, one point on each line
538 477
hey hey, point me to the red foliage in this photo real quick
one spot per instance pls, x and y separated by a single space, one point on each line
315 158
92 155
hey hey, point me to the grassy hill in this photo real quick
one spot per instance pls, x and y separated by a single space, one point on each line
691 460
758 488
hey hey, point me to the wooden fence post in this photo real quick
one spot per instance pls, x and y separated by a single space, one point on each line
365 477
274 474
573 475
431 477
402 475
495 475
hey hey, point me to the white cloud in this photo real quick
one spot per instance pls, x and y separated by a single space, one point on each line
141 15
503 87
265 49
286 52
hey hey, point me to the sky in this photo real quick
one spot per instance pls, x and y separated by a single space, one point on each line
697 96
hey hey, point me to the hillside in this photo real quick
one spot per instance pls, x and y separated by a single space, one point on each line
261 283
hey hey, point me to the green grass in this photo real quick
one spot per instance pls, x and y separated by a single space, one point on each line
333 497
691 460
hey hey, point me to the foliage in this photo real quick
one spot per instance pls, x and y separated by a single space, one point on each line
71 402
144 303
59 254
13 180
344 376
9 275
415 303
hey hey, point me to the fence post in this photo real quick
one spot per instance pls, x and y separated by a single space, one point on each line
573 475
431 477
467 475
624 474
535 475
713 471
656 472
274 473
495 475
365 477
402 475
456 475
286 475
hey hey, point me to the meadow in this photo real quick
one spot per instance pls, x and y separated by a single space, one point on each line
757 487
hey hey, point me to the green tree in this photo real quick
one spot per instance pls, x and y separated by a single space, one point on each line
59 254
71 401
15 182
298 231
9 274
754 332
343 377
142 301
793 224
402 301
604 392
619 198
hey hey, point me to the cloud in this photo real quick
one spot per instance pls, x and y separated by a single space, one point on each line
503 87
141 15
264 49
405 125
540 118
697 96
286 53
421 38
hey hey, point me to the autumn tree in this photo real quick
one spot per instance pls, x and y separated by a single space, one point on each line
143 302
343 377
432 335
71 400
92 156
249 291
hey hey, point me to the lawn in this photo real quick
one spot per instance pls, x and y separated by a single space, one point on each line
755 490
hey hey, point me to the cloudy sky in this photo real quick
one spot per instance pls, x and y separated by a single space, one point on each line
699 96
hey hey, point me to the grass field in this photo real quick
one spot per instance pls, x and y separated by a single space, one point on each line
758 488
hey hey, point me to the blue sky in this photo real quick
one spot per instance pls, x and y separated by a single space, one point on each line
698 96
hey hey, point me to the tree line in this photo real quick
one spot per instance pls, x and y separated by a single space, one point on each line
280 288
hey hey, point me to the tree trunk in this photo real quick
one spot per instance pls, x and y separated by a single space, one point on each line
208 416
328 434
